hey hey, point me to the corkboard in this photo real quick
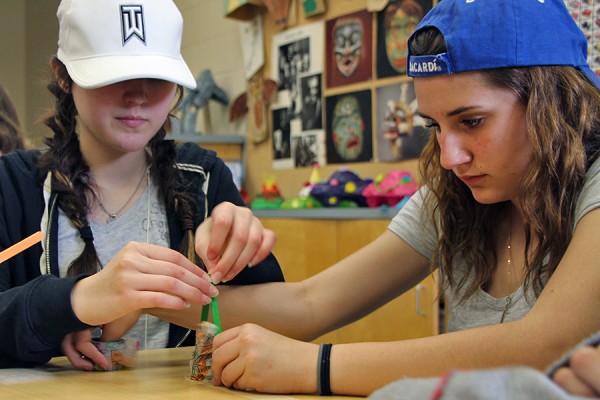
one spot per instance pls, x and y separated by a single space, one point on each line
259 156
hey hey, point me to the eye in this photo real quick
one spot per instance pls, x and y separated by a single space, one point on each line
472 123
432 125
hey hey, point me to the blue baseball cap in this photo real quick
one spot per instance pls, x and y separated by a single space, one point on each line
484 34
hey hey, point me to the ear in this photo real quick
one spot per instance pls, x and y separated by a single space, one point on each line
60 73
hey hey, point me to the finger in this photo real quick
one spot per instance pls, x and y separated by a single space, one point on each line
167 288
173 258
565 378
239 252
226 336
222 220
268 243
89 351
115 330
174 279
245 239
227 367
74 356
585 364
255 251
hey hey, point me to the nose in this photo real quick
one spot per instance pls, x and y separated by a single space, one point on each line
453 151
135 91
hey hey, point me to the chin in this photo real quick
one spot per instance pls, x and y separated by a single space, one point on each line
485 197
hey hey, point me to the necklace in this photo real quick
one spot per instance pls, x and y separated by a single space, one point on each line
508 267
113 216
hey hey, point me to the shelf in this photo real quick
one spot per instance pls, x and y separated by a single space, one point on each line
211 139
328 213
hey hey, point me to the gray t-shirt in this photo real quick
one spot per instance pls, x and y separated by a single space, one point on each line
109 238
481 309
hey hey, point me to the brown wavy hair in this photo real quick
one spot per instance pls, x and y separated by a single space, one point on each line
72 181
563 125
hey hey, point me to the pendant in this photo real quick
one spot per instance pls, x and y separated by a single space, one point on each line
506 307
111 218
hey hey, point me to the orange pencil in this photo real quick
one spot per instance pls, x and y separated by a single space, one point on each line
21 246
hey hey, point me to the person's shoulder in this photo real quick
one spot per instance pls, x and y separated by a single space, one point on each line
23 161
191 155
594 167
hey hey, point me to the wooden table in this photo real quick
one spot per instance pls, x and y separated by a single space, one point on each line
158 374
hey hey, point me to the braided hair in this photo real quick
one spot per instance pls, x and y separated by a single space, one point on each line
73 183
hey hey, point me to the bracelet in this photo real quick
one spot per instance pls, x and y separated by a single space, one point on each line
323 384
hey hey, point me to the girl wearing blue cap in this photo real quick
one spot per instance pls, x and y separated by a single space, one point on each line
123 210
508 214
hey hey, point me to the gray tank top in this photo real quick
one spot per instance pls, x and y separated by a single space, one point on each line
109 238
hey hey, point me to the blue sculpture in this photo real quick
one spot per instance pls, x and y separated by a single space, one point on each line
196 99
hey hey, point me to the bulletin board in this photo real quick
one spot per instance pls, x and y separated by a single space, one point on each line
372 90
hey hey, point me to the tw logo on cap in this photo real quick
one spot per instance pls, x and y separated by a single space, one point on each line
132 23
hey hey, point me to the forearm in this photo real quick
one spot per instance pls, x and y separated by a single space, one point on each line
276 306
359 369
36 318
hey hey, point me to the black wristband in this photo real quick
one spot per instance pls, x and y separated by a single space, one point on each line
323 385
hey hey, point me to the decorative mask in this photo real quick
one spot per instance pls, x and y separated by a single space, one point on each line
397 123
348 128
400 20
347 39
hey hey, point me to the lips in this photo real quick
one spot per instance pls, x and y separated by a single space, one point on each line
472 180
352 143
132 121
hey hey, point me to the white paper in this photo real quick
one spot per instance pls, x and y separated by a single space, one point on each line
251 40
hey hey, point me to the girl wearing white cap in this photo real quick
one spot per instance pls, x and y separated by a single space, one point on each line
120 206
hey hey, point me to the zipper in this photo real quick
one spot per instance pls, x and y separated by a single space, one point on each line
47 239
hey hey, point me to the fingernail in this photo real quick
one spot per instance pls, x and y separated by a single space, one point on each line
213 291
187 305
216 277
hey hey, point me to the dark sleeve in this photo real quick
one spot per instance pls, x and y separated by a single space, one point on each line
222 188
35 310
35 317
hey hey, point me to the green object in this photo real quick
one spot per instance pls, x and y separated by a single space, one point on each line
301 202
260 203
214 308
347 204
310 6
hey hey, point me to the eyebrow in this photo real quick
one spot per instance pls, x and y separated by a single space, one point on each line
452 113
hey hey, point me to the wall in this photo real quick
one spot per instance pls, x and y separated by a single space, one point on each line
211 41
28 35
12 48
290 181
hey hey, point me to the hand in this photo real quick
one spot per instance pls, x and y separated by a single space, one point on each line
115 330
140 276
81 352
582 377
249 357
231 238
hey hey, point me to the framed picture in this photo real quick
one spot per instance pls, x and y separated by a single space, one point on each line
348 136
395 23
401 132
348 54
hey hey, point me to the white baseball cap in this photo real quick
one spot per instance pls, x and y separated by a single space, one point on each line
102 42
